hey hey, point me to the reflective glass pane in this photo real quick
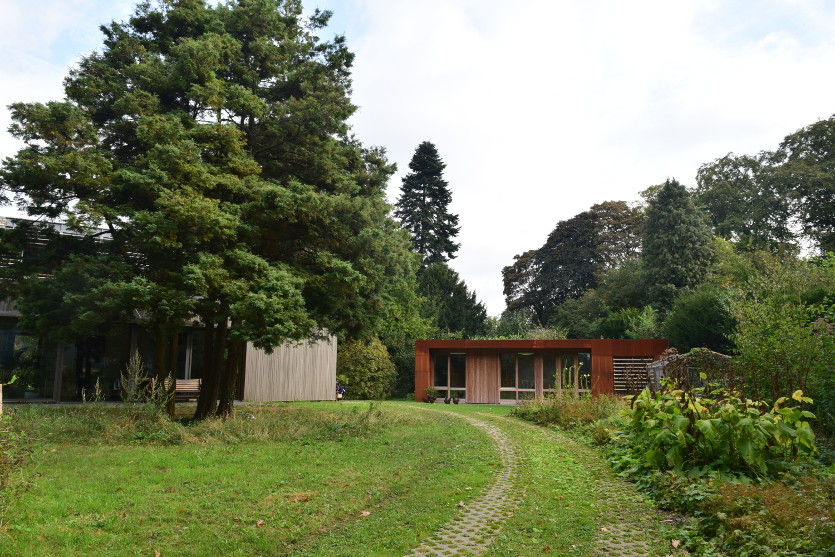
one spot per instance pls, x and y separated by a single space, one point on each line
440 370
549 370
525 363
507 395
508 370
458 370
584 371
567 361
527 395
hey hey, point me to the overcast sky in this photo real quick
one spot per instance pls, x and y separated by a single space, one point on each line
540 109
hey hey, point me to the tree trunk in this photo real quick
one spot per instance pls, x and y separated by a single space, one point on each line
173 353
229 383
166 375
210 389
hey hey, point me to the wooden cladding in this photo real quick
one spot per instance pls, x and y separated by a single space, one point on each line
304 371
483 357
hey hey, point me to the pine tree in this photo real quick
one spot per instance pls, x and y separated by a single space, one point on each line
423 207
211 141
677 244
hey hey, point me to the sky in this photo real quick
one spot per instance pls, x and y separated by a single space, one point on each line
539 108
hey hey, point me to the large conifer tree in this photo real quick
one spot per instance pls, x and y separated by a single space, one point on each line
423 207
677 244
211 141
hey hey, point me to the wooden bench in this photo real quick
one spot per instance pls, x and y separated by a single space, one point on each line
186 389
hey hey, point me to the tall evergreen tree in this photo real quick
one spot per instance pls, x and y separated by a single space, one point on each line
423 207
449 303
212 142
677 250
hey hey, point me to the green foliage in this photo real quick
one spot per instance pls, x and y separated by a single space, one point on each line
581 317
744 202
210 143
366 369
805 171
569 410
449 304
577 252
718 433
792 517
753 200
677 250
423 207
624 286
783 343
15 449
402 326
643 324
700 318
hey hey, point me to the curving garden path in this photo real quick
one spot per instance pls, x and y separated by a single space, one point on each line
472 531
624 522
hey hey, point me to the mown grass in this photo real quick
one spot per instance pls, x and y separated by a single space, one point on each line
792 515
571 499
316 479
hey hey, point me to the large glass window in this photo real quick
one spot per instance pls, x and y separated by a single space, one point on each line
567 372
549 371
30 358
450 375
518 381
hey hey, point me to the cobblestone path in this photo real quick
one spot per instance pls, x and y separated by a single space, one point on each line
480 521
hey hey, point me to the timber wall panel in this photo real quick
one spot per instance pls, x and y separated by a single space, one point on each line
483 377
292 372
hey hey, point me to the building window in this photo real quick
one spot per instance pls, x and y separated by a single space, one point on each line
517 377
566 373
450 377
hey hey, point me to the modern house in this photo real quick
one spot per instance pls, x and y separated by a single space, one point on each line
54 371
507 371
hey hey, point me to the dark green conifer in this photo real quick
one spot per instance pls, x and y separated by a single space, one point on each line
423 207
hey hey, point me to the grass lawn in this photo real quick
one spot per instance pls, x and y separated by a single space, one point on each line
300 479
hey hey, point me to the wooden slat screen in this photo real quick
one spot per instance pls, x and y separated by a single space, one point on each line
305 371
630 374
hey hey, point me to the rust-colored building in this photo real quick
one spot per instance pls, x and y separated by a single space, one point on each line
506 371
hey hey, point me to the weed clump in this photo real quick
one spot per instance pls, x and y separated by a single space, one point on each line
593 417
14 450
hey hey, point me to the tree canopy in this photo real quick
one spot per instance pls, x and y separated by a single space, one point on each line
573 258
211 143
677 250
423 207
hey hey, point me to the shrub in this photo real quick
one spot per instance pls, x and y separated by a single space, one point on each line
572 411
780 518
699 317
691 435
366 369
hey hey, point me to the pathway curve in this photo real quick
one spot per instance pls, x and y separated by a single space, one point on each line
480 521
627 517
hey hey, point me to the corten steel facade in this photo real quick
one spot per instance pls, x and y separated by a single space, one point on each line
506 371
